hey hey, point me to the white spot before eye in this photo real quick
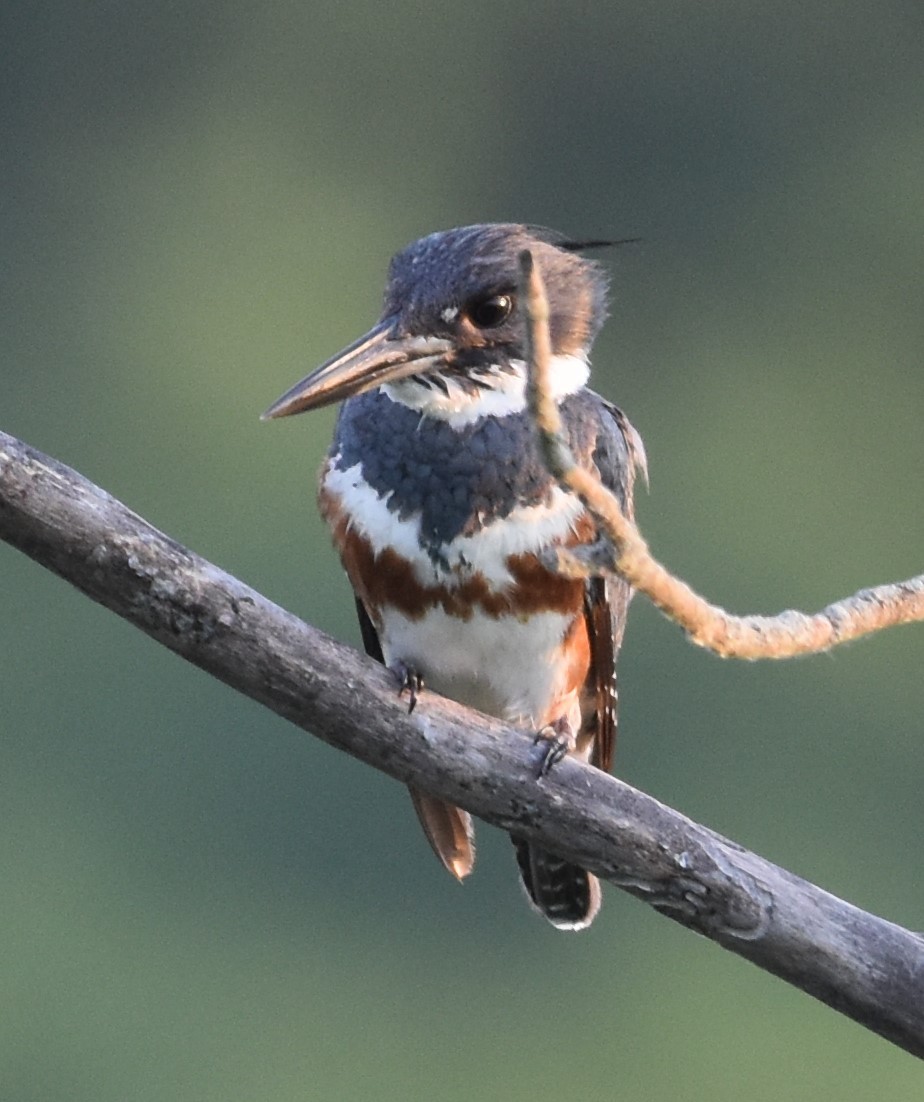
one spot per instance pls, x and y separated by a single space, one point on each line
449 314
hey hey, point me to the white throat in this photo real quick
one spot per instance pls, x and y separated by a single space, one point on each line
503 392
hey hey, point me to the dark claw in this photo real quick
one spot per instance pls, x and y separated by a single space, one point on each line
557 739
410 682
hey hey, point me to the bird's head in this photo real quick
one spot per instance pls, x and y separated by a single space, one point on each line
451 341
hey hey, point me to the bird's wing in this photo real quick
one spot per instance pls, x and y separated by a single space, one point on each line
370 636
618 457
601 678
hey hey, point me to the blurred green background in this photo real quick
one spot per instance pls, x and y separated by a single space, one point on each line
198 204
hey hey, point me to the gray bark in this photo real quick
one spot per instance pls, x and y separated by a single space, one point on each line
862 965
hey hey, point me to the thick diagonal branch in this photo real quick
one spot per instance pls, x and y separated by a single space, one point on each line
623 550
862 965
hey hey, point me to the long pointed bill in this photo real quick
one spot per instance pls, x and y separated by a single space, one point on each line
374 359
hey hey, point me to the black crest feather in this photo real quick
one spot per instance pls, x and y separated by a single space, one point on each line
584 246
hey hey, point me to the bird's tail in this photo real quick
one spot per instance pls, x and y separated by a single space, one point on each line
567 896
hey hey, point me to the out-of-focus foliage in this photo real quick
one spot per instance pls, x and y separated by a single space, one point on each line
198 203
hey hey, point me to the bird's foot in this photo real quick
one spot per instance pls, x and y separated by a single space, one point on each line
556 739
410 681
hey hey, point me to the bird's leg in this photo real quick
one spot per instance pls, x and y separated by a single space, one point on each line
410 681
557 739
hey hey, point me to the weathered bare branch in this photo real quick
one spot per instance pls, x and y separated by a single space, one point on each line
622 550
864 966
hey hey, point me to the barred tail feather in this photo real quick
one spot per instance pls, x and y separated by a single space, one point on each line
567 896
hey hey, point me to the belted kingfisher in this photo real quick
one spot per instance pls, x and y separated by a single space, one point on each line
440 505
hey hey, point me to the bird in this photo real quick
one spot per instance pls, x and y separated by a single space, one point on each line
441 509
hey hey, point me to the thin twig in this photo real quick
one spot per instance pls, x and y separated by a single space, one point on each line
623 550
861 965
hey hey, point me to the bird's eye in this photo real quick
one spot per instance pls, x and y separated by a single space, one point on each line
491 311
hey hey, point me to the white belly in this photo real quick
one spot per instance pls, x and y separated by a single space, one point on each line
501 666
